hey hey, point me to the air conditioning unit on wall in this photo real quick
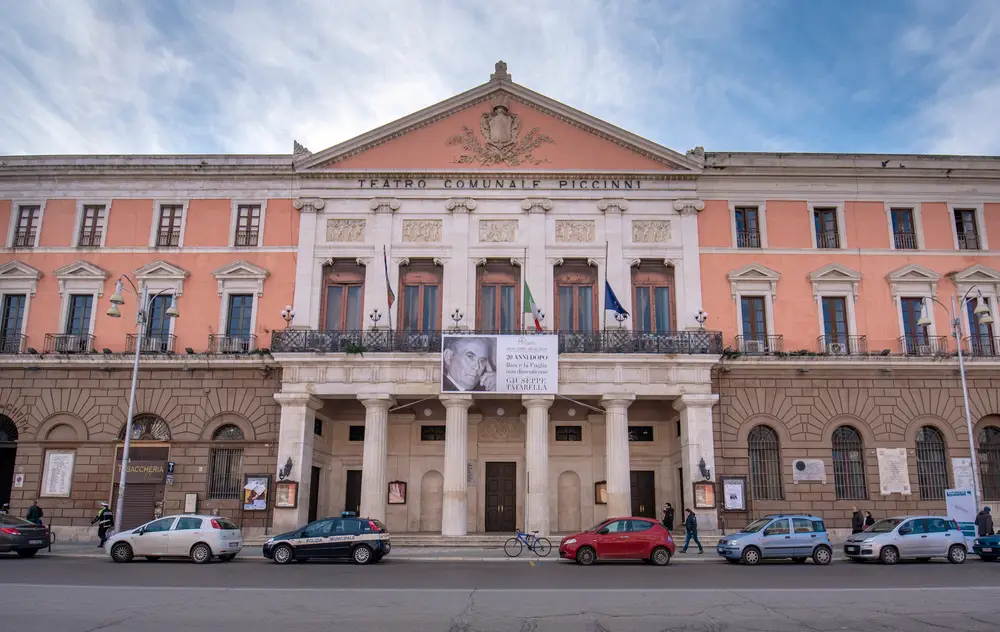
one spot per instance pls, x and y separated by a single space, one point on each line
837 348
754 346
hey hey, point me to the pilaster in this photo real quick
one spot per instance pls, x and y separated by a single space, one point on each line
295 442
697 443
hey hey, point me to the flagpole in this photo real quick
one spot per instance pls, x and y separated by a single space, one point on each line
524 284
605 285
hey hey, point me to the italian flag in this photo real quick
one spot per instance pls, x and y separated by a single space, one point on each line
531 306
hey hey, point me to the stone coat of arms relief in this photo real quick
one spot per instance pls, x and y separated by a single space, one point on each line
500 129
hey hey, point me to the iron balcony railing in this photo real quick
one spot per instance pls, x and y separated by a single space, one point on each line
920 345
151 344
246 238
760 345
983 346
24 238
90 238
828 239
168 238
747 239
843 345
69 343
969 241
905 241
13 343
384 340
241 343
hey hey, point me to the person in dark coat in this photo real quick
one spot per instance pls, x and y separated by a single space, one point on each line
869 520
35 513
668 517
857 521
104 521
691 527
984 522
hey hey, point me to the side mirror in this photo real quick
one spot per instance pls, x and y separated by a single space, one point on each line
905 531
604 531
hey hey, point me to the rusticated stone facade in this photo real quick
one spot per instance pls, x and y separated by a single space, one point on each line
805 404
84 409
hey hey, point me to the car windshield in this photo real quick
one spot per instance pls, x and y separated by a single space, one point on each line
597 526
227 524
756 525
14 521
884 526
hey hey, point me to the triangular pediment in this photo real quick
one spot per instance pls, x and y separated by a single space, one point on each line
914 273
977 273
753 271
161 270
499 126
241 270
81 270
834 272
19 270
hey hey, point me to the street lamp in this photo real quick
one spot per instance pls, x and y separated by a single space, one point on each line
982 314
141 319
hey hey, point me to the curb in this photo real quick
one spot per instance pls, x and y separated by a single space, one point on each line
443 558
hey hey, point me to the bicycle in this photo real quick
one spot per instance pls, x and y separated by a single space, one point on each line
539 546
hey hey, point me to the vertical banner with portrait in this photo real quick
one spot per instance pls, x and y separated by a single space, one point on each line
500 364
255 489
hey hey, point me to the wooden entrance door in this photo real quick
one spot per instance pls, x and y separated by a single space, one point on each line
314 493
643 493
501 496
352 499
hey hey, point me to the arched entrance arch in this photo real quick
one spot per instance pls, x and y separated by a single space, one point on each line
149 454
8 455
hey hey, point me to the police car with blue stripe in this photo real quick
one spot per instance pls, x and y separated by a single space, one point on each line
363 540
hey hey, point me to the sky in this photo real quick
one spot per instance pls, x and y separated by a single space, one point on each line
251 76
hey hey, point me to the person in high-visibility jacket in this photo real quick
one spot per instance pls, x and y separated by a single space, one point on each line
104 521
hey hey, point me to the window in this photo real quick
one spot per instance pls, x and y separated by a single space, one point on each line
226 475
640 433
967 229
848 464
247 225
147 428
318 427
652 308
91 226
778 527
158 325
904 234
498 307
835 327
26 228
432 433
168 233
981 341
78 317
989 462
803 525
159 526
827 228
747 220
754 317
188 524
240 312
617 526
12 323
569 433
765 464
576 288
356 433
932 464
420 307
640 525
914 335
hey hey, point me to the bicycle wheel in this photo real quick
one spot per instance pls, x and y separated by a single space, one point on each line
513 547
542 547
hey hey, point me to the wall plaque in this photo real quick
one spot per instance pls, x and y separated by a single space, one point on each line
57 477
345 230
894 476
808 471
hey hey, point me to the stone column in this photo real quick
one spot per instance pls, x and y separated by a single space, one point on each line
374 481
697 443
295 442
454 511
306 301
534 268
689 285
537 463
619 481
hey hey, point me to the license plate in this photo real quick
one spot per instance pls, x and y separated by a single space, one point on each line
35 541
851 549
987 550
233 545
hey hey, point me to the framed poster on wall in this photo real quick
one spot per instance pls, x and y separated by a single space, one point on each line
57 475
255 489
734 493
397 493
286 494
601 493
704 495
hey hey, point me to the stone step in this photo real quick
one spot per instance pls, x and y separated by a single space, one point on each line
473 541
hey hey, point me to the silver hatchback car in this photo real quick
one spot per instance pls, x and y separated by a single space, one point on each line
908 537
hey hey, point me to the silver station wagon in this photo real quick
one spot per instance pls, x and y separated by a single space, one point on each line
908 537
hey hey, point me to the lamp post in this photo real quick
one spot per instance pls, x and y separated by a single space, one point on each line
141 319
982 313
288 315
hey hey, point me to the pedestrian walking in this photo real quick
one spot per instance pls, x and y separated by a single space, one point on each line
984 522
869 520
104 520
691 532
857 521
35 513
668 516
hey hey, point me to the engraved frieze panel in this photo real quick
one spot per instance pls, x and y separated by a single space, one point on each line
497 230
422 230
654 231
501 430
575 231
345 230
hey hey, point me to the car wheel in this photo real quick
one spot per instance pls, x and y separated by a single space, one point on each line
283 554
586 556
153 558
889 555
660 556
822 555
799 560
121 552
201 553
362 554
227 558
27 552
751 556
956 554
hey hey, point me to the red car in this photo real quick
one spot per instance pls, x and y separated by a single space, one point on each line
620 539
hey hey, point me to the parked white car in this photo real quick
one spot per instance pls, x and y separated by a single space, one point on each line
200 538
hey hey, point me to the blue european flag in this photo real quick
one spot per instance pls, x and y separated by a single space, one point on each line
611 301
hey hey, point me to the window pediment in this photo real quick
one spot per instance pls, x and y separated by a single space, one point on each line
753 278
977 274
18 276
81 276
913 278
241 275
162 275
835 278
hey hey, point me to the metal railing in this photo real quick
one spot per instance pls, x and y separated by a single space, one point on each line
982 346
905 241
68 343
828 239
226 477
384 340
89 239
246 238
969 241
243 343
843 345
13 344
151 344
920 345
747 239
760 345
23 238
168 238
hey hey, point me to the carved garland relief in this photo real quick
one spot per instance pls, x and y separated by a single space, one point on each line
499 128
345 230
501 430
575 231
422 230
650 231
497 230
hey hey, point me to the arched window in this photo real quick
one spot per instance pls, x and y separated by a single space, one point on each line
8 430
989 462
226 475
765 464
147 428
932 464
849 464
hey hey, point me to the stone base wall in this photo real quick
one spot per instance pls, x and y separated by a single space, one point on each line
805 404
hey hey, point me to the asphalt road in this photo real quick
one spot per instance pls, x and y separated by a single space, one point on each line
86 595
